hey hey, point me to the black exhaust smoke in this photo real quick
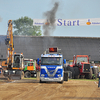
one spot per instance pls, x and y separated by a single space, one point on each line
50 16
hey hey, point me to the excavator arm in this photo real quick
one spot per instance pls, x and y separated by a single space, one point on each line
15 61
10 45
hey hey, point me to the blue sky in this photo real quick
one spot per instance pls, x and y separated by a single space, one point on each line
68 9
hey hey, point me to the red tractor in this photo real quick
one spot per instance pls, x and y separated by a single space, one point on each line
82 66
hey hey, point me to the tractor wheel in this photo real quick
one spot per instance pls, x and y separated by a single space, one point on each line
73 72
27 75
89 75
95 72
77 76
82 76
77 72
68 68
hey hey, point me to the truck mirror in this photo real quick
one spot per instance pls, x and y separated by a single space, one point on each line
38 61
64 61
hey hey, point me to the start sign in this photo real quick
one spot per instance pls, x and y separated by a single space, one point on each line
67 22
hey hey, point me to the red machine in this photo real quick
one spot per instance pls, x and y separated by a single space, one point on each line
82 66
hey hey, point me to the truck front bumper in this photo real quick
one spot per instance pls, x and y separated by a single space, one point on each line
51 79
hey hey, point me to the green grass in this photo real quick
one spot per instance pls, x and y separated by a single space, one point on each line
85 79
31 78
99 69
70 79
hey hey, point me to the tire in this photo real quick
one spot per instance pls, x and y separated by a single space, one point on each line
95 72
27 75
61 82
77 76
89 75
82 76
73 72
42 81
65 76
77 72
68 68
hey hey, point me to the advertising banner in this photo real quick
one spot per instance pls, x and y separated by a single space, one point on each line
67 22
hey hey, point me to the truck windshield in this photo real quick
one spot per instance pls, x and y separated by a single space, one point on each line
51 61
82 59
30 64
26 61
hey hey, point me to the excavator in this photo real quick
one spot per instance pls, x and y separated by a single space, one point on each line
15 61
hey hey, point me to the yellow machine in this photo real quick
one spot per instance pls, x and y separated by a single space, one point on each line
15 61
9 43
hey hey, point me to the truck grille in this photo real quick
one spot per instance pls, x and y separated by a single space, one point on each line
51 73
86 68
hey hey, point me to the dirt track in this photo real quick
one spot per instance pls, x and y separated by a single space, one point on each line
33 90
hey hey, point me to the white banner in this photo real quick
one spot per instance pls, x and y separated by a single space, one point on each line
68 22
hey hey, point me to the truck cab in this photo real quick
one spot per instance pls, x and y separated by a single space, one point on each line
51 66
30 69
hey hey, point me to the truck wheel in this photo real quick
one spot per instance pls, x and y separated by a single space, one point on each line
65 76
42 81
61 82
27 75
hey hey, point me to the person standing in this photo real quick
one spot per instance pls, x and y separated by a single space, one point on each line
99 79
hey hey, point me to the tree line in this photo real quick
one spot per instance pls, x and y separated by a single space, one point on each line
24 26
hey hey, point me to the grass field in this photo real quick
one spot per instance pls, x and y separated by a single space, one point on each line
31 78
85 79
72 79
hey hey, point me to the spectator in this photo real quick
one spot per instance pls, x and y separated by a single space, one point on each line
99 79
